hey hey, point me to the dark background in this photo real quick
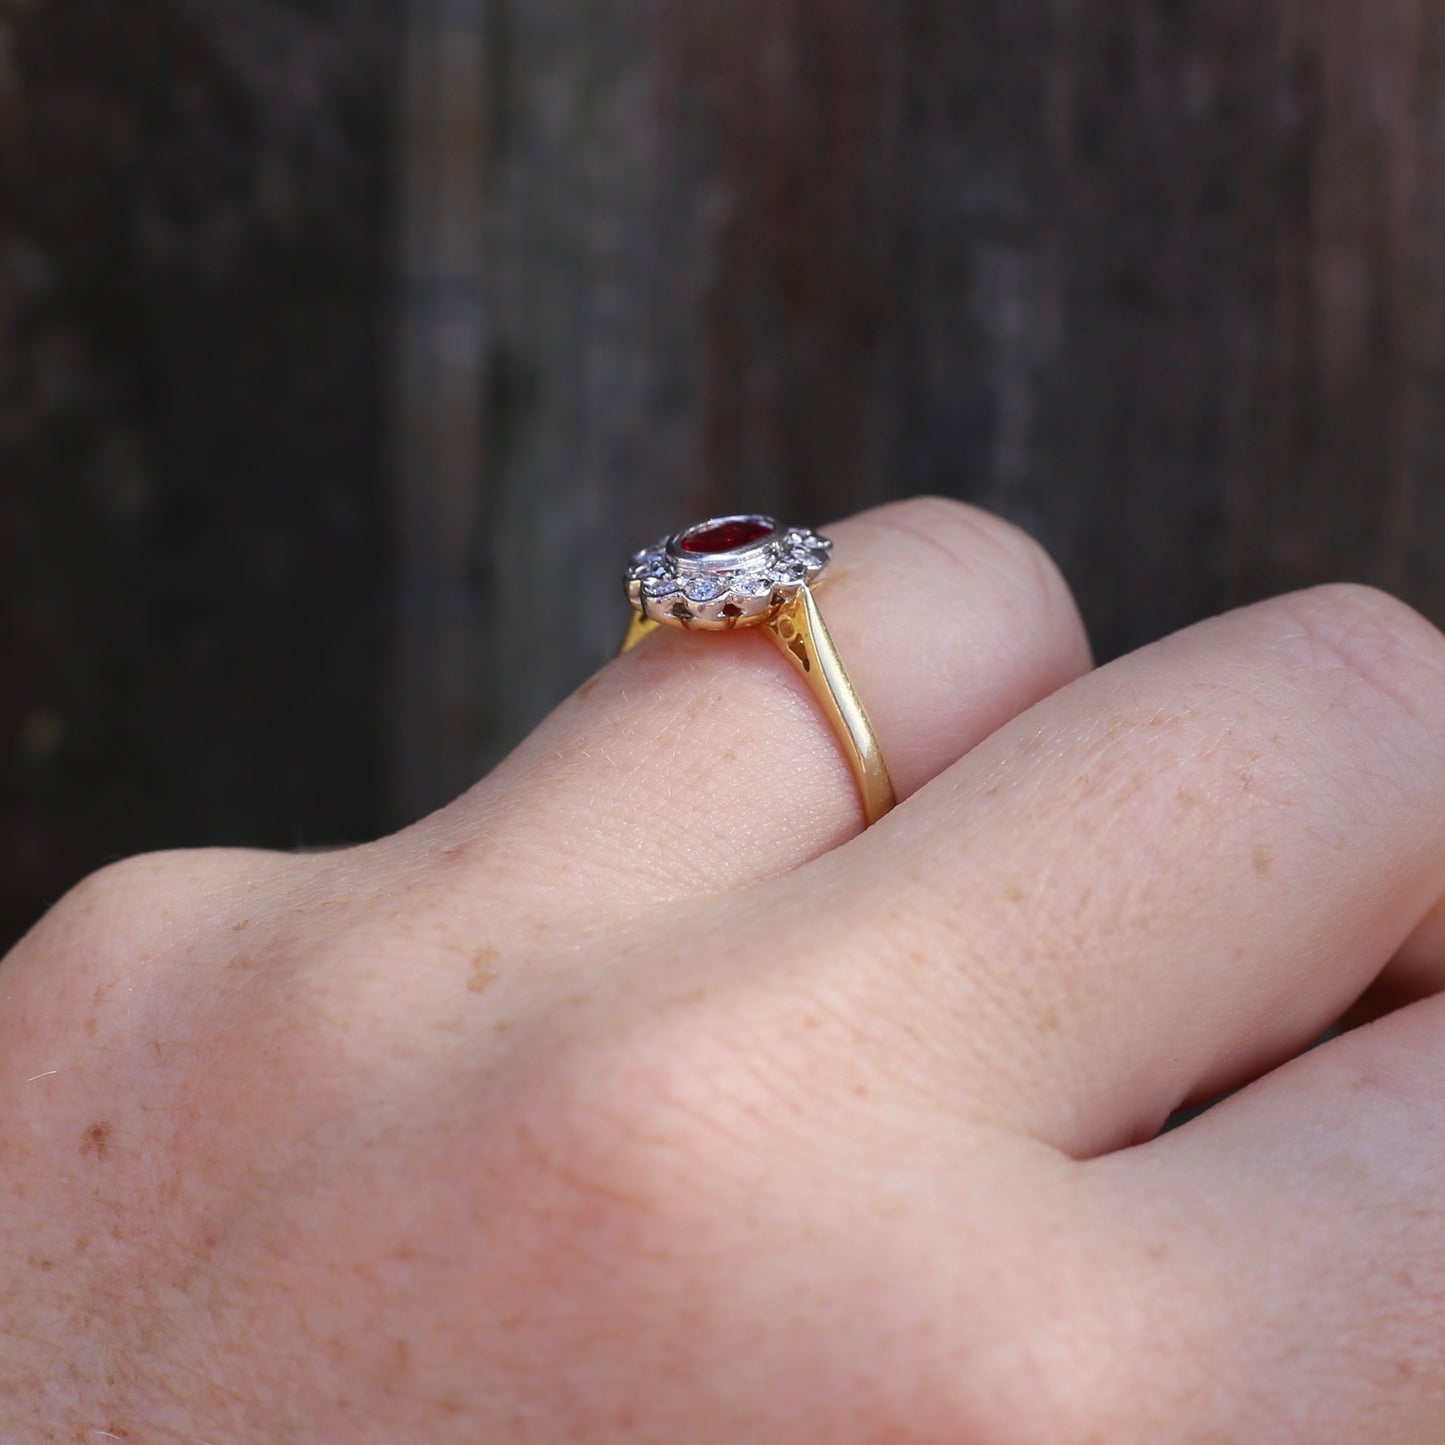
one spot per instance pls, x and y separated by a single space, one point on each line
348 346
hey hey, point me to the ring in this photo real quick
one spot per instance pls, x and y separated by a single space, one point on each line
747 571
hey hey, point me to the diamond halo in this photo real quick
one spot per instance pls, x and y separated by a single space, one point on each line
726 572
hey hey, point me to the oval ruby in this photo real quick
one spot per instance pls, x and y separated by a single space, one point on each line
725 536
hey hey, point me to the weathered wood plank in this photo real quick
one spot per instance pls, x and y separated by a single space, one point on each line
192 428
1163 285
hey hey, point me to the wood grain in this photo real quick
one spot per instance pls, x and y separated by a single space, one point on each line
1164 285
192 429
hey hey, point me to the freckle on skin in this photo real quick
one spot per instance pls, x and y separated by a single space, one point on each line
1263 860
96 1140
1013 893
1049 1020
242 926
484 969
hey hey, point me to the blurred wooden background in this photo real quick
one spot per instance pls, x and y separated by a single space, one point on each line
340 338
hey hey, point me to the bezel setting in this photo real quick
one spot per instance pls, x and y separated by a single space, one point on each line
736 587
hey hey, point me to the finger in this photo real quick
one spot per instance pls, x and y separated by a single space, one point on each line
1417 971
700 761
1172 873
1291 1242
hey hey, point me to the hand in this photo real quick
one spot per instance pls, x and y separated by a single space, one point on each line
634 1098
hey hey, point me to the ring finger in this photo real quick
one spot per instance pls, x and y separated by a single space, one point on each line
701 762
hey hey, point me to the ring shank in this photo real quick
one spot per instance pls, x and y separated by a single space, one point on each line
800 633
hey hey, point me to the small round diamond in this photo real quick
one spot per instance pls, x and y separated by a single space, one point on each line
704 589
753 586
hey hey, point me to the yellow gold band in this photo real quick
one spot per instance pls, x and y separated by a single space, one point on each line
798 629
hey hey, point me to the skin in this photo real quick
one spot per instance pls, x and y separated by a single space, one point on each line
640 1096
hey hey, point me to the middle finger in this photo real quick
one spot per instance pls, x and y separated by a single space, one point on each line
1169 875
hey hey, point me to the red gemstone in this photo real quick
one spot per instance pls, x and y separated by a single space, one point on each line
725 536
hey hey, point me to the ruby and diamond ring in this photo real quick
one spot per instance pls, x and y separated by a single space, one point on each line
748 571
728 572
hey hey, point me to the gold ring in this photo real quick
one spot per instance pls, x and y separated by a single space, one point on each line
747 571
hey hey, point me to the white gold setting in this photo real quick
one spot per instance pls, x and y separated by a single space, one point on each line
696 579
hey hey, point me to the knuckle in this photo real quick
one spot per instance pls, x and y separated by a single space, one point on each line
123 897
132 904
970 536
1389 651
1012 562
